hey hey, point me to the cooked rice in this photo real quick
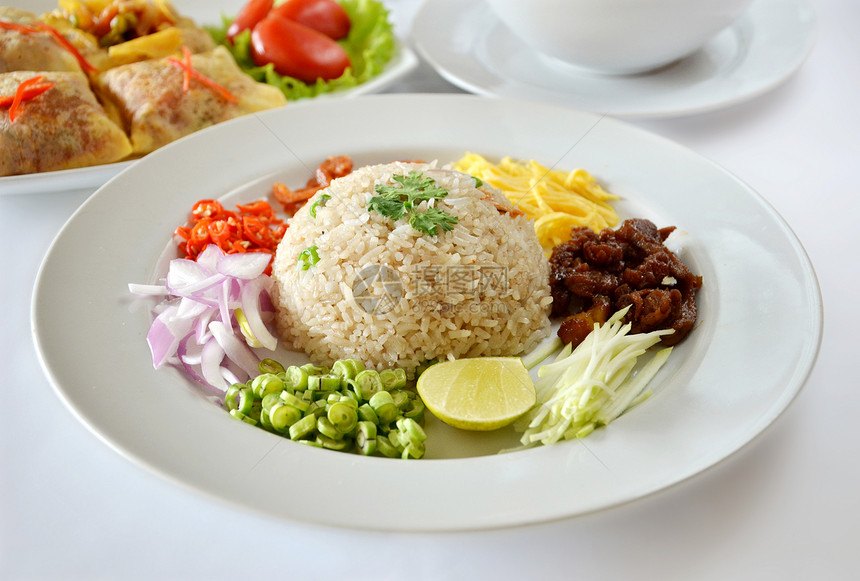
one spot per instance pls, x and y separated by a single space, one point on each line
481 289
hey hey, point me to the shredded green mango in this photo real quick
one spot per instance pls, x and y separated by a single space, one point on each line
593 384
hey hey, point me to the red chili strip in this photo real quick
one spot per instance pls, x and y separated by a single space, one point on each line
42 27
186 81
15 107
67 45
189 72
29 93
17 27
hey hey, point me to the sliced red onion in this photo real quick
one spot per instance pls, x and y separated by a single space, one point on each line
201 328
165 333
193 289
189 361
148 289
210 256
184 271
161 341
229 376
224 304
193 327
210 365
190 308
236 349
246 265
251 308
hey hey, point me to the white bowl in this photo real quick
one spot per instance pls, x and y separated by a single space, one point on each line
617 36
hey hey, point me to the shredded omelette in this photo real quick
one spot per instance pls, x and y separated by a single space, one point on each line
556 200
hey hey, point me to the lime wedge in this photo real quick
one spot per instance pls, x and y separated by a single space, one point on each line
483 393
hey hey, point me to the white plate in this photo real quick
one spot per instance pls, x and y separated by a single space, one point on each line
204 12
756 342
471 48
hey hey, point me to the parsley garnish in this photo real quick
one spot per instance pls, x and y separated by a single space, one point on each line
395 202
433 218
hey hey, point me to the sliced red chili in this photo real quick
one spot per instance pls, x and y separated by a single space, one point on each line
255 231
189 72
212 209
219 233
254 228
23 28
15 107
29 93
67 45
258 208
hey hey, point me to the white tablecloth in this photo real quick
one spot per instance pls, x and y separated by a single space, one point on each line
784 507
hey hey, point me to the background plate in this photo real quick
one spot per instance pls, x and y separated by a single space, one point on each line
204 12
471 48
756 342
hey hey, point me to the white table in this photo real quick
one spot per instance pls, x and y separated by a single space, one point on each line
784 507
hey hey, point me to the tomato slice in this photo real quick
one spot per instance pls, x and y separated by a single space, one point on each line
248 16
326 16
296 50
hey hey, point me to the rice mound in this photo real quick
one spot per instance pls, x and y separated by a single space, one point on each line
390 296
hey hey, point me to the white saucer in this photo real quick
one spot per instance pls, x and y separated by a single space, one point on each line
471 48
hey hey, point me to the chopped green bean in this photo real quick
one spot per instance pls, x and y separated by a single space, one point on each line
347 368
328 429
240 416
323 382
386 448
400 397
230 398
345 407
312 369
303 427
297 402
297 378
366 413
415 411
265 421
316 409
269 400
393 379
383 404
267 383
282 416
270 366
413 451
343 416
365 438
332 443
415 432
244 400
367 383
320 201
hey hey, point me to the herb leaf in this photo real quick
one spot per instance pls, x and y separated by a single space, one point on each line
396 201
430 221
389 207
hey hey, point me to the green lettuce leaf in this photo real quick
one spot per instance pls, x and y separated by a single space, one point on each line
370 46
